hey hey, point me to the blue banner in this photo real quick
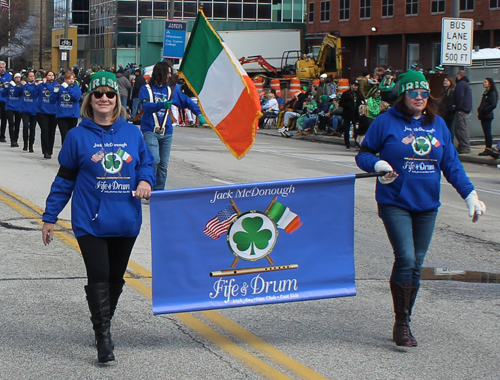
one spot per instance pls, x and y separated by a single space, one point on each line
252 244
174 41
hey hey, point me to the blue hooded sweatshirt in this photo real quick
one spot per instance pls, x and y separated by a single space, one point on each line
160 94
101 169
4 78
44 104
418 153
13 96
67 101
29 97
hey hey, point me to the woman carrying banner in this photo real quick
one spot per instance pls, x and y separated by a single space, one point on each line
414 145
106 213
156 124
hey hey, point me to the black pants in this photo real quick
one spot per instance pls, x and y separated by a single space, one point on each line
14 118
347 127
48 125
106 259
3 121
29 128
65 124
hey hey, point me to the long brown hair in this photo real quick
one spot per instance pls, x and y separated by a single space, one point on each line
430 110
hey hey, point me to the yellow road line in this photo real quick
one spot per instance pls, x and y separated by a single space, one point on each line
260 345
194 323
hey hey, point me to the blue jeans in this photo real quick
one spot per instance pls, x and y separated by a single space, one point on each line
410 234
160 146
136 106
488 138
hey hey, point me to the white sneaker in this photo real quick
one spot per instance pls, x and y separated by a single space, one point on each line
283 131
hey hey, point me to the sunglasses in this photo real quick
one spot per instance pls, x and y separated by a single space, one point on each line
99 94
415 94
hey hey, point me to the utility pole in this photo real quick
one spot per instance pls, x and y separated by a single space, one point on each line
66 34
455 13
40 52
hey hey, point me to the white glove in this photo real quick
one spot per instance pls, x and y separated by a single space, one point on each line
6 84
12 83
476 207
64 84
56 88
383 166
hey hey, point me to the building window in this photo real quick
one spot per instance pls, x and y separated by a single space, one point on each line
382 55
466 5
311 13
411 7
344 9
325 11
365 9
438 6
387 8
413 54
494 4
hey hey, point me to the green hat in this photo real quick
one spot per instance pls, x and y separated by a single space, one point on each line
103 78
323 98
412 80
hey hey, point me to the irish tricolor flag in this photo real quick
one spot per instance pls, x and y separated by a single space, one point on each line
284 218
226 95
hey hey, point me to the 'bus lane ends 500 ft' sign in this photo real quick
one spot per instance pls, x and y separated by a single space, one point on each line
456 41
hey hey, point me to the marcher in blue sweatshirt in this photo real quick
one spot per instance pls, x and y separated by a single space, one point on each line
46 115
29 104
414 147
66 97
156 122
12 93
5 77
106 167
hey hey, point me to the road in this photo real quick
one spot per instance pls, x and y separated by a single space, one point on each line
46 332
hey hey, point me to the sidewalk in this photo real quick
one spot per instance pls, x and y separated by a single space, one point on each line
322 138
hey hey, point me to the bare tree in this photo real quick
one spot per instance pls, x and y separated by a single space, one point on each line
16 28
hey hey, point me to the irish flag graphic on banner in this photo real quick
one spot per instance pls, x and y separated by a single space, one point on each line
226 94
284 218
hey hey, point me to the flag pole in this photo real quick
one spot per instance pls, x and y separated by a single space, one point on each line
368 175
8 41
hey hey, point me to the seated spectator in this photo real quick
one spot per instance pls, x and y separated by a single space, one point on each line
269 109
334 126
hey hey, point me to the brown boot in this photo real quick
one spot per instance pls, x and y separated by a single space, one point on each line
401 298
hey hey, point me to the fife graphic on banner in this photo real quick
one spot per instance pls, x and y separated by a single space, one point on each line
251 244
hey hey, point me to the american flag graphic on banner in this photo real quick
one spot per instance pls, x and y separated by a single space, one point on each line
220 223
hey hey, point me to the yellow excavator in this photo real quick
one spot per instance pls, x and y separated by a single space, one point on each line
326 58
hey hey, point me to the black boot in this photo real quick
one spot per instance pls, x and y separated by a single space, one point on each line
413 297
401 298
31 148
115 290
25 146
99 305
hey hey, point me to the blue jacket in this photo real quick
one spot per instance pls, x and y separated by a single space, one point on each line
44 104
6 77
417 153
101 169
160 94
13 96
67 101
462 97
29 97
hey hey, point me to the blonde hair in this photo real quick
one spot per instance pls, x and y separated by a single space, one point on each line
270 95
88 113
384 106
363 110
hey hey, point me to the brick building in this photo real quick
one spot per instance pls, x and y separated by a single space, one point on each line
396 33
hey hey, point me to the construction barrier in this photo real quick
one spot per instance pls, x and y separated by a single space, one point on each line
343 85
259 83
294 86
276 84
